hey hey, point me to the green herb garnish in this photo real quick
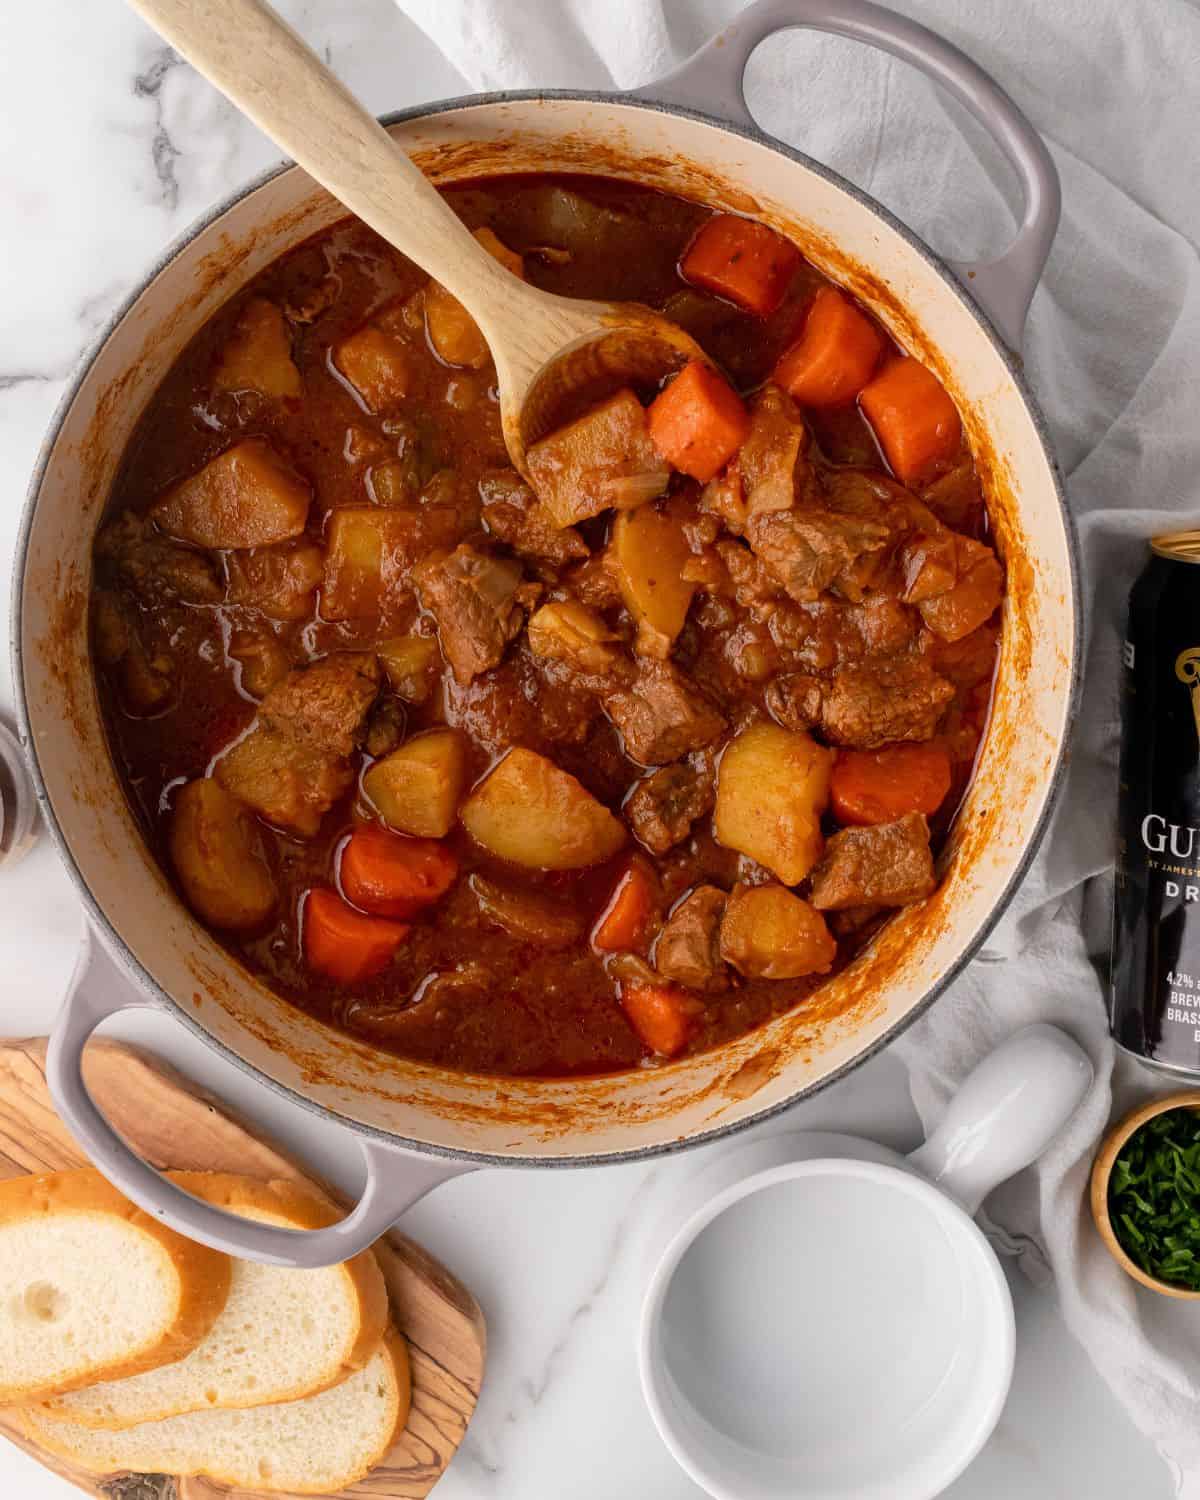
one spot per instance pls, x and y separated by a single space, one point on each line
1154 1197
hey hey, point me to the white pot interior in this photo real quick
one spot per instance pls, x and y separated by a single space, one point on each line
656 1107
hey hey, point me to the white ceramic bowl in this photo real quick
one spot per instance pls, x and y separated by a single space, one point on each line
825 1321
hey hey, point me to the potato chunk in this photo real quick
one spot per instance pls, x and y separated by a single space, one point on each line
452 330
258 355
245 497
371 550
416 789
772 787
604 460
218 855
650 551
410 662
769 933
376 364
531 812
566 631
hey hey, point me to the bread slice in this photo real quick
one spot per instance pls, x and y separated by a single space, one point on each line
316 1446
92 1288
282 1335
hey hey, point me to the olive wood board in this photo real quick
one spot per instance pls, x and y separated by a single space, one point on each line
174 1123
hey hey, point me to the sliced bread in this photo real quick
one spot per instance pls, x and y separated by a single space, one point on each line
92 1288
316 1446
282 1335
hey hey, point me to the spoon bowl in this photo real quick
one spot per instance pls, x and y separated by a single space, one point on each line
553 355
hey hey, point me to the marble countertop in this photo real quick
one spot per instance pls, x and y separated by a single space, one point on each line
109 147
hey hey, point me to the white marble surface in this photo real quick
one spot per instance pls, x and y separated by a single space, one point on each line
109 147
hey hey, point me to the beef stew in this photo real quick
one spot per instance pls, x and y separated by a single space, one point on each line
557 778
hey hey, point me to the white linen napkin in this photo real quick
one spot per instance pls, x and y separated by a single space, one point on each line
1113 353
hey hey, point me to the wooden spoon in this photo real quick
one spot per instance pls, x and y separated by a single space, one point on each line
545 347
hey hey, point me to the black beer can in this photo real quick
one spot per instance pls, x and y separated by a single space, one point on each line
1155 985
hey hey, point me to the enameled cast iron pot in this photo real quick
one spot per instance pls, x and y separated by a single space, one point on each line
690 134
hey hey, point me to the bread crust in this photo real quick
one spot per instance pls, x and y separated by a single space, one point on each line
306 1209
54 1436
202 1275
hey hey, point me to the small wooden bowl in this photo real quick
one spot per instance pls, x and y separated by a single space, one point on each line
1102 1171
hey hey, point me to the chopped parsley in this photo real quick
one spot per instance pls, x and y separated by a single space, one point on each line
1154 1197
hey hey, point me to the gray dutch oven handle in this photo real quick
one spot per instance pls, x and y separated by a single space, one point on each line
395 1178
711 81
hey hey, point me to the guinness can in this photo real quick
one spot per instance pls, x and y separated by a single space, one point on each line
1155 994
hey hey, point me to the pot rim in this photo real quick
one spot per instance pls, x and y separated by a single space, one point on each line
115 943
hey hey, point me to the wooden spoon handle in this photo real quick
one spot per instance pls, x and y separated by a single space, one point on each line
258 62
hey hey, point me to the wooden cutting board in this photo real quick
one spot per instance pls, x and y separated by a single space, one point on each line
175 1123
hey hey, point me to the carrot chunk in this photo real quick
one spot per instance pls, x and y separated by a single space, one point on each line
914 419
742 261
663 1015
627 919
698 423
391 875
879 786
834 356
341 943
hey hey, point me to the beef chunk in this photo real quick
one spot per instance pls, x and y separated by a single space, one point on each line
773 460
385 727
807 550
885 865
878 627
295 762
754 587
513 514
973 594
929 563
864 706
956 497
154 567
594 582
510 705
113 627
473 598
286 781
795 700
529 916
663 806
145 676
872 496
324 705
770 468
279 581
663 715
688 947
262 660
828 633
967 661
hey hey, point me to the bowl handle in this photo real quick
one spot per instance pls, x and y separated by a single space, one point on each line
711 81
1006 1113
395 1178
